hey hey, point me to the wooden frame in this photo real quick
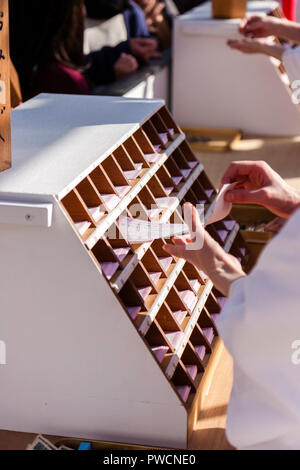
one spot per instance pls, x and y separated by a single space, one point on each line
5 126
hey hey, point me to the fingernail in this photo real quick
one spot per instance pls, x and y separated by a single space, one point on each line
166 248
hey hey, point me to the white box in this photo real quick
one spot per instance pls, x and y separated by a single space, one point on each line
215 86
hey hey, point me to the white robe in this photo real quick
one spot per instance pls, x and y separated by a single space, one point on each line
259 325
291 62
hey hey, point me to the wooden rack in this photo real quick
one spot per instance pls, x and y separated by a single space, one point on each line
172 305
125 334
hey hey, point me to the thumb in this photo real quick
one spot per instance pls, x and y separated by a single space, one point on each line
245 196
192 219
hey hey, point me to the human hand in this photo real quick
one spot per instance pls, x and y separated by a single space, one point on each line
125 65
248 46
144 49
207 255
259 27
155 16
275 225
259 184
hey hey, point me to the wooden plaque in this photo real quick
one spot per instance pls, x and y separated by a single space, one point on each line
5 126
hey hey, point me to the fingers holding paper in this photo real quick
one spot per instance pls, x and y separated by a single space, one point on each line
201 250
258 183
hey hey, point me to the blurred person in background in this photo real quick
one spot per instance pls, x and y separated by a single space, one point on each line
257 29
46 40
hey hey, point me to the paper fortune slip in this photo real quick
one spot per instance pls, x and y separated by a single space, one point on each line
142 231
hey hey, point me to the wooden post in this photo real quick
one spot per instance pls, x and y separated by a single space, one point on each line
229 8
5 126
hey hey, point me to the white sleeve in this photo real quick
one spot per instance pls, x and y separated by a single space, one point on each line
291 62
260 325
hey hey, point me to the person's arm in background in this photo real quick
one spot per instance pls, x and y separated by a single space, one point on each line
111 63
262 27
253 46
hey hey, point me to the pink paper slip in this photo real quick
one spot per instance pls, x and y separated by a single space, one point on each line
188 298
183 391
203 275
222 301
215 317
154 213
176 179
168 190
97 212
202 201
82 226
110 200
171 131
209 192
222 234
185 172
138 166
165 262
160 352
164 137
144 291
201 351
121 253
229 224
195 284
220 207
109 268
133 311
192 164
157 148
132 174
243 251
165 202
151 157
122 190
174 337
192 370
180 315
155 276
209 334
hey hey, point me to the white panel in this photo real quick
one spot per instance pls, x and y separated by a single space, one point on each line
59 139
76 365
28 214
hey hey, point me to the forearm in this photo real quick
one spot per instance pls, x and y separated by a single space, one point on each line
287 30
221 268
273 50
223 273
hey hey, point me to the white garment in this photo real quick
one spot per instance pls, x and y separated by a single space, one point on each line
291 62
259 324
298 11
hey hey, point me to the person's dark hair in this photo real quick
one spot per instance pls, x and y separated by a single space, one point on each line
43 31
